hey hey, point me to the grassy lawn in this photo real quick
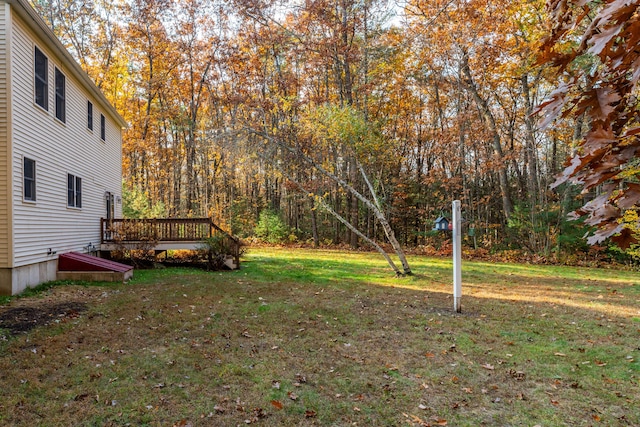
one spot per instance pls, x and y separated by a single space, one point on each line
301 337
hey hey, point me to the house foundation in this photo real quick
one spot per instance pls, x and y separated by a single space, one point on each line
15 280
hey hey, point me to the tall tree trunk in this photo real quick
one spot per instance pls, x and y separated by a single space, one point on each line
530 141
483 106
354 211
346 63
314 223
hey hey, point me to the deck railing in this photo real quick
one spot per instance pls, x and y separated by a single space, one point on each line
152 230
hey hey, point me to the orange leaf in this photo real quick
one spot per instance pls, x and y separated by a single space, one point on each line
277 404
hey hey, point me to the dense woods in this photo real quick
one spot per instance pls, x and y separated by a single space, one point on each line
351 121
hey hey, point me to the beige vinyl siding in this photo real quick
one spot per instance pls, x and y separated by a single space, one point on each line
5 141
58 149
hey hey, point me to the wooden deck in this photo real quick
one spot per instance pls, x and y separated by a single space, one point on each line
161 234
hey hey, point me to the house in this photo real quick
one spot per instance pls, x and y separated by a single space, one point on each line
60 152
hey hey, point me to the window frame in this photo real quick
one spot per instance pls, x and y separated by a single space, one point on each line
90 115
60 82
103 127
74 191
40 82
31 181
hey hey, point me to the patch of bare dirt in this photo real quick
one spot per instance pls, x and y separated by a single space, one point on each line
23 319
25 314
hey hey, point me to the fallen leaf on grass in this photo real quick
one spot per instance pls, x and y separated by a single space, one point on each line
277 404
292 395
518 375
600 363
257 414
416 419
440 421
430 355
488 366
310 413
560 354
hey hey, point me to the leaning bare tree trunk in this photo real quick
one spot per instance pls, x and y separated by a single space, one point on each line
345 185
359 234
319 200
388 231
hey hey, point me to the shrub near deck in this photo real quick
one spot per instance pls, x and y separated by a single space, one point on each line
331 338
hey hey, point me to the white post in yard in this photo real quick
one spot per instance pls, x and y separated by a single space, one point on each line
457 256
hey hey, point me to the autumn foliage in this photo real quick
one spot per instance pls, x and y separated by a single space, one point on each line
241 107
597 53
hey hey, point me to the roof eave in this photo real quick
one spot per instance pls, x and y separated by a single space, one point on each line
28 14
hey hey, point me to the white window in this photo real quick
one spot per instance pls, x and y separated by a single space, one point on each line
61 109
74 191
29 176
41 82
89 115
103 128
